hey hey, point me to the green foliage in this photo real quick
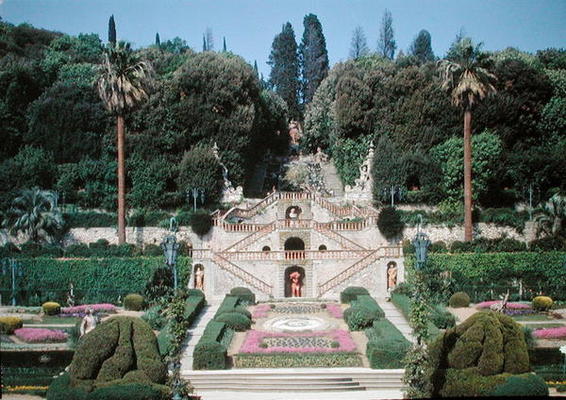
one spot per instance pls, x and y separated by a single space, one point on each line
351 293
201 222
61 389
51 308
209 356
469 383
160 287
134 302
93 278
542 303
235 321
9 324
359 317
389 223
297 360
132 391
313 57
525 385
386 346
244 294
365 300
459 299
442 318
199 168
548 244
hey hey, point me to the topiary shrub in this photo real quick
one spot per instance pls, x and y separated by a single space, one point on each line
548 244
9 324
542 303
438 247
111 353
209 355
525 385
389 223
235 321
152 250
487 344
133 391
245 294
386 353
134 302
459 300
201 222
238 309
51 308
359 318
351 293
442 318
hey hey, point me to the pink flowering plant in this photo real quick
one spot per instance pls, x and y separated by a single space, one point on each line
550 333
40 335
335 310
512 306
261 311
80 311
337 340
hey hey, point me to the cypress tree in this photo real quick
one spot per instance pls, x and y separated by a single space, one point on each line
112 31
224 44
313 57
421 47
157 40
284 62
256 69
386 45
204 46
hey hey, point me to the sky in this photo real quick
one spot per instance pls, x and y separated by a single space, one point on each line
249 26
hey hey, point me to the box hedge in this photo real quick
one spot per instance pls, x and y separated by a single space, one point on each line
542 303
244 294
235 321
350 293
134 302
459 300
9 324
209 355
51 308
524 385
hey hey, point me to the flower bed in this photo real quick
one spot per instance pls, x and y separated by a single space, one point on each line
41 335
551 333
335 310
80 311
259 342
512 306
297 360
260 311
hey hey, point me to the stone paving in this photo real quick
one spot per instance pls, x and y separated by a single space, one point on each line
195 334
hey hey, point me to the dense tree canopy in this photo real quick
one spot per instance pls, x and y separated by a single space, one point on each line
313 57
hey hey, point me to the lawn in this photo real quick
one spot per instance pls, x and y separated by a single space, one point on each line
53 320
532 317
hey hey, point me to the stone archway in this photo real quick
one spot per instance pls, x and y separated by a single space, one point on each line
294 248
291 272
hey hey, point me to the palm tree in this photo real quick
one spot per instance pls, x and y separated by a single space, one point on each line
468 83
124 82
35 213
552 217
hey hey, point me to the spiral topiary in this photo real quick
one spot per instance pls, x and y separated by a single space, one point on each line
459 300
134 302
542 303
51 308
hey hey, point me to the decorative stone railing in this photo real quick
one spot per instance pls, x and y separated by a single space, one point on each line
242 274
344 241
266 229
294 255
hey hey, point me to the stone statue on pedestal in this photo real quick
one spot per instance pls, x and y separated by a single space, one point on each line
362 189
229 193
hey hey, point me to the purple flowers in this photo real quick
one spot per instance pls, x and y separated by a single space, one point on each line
40 335
254 339
80 311
550 333
514 306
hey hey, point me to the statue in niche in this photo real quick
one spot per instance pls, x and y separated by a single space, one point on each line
199 278
391 277
296 286
88 323
293 213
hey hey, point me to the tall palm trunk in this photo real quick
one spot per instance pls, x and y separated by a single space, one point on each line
120 136
467 175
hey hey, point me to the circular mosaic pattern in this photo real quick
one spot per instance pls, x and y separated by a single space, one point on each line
297 324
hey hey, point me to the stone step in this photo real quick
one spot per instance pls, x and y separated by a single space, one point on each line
280 395
273 388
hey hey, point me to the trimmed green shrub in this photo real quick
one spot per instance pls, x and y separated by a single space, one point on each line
350 293
164 340
235 321
238 309
134 302
297 360
389 223
61 389
387 354
359 318
9 324
525 385
209 355
459 300
51 308
548 244
152 250
442 318
245 294
213 331
228 304
78 250
438 247
365 300
134 391
468 383
542 303
201 222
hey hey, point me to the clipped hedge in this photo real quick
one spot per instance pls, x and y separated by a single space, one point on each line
297 360
209 355
351 293
92 277
51 308
9 324
134 302
459 300
244 294
386 347
542 303
235 321
525 385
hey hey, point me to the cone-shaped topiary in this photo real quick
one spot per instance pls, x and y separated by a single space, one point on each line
487 344
51 308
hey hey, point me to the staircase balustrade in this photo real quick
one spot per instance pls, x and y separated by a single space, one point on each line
344 241
294 255
266 229
242 274
349 272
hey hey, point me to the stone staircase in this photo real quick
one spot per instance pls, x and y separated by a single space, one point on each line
195 333
332 180
396 318
242 274
296 382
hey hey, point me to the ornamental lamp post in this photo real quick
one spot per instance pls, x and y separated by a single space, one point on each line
170 249
421 243
12 266
195 193
419 309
